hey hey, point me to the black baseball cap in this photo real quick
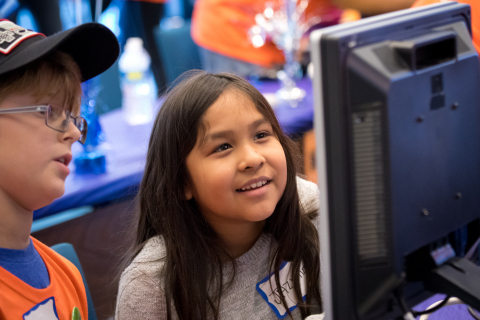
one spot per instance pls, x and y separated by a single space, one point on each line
92 45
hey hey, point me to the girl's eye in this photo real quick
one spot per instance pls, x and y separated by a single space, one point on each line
261 135
222 147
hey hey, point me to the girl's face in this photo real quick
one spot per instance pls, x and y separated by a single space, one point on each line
238 167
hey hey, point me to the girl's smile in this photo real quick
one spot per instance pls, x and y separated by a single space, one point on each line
254 184
238 167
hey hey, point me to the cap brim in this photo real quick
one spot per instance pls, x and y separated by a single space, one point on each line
92 45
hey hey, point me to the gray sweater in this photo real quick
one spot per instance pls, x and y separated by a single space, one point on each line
141 295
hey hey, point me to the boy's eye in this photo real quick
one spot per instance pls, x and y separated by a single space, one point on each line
57 112
222 147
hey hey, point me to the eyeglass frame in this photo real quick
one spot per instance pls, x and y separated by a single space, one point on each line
46 108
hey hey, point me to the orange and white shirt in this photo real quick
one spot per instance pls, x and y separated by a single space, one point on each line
222 26
63 299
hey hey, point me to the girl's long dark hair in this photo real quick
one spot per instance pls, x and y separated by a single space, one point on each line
195 255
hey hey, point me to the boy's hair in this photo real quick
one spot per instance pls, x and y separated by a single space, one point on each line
189 239
50 75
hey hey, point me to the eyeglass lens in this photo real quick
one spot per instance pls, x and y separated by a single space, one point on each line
59 119
81 124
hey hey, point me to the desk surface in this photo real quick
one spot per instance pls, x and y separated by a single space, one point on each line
126 148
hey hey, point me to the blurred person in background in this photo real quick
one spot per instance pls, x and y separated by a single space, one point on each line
138 18
46 13
220 28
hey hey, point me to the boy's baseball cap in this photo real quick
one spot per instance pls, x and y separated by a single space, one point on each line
92 45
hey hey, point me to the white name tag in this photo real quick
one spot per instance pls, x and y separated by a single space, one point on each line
269 291
11 35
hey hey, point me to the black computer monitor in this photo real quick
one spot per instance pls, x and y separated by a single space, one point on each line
397 121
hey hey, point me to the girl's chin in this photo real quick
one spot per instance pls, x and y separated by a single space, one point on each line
261 216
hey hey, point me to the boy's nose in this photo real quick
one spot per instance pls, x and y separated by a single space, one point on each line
72 134
251 159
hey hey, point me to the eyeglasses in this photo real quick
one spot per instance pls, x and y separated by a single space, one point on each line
56 118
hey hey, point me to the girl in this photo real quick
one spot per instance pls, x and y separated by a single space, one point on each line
222 233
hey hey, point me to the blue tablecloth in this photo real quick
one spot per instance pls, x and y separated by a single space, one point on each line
293 120
126 149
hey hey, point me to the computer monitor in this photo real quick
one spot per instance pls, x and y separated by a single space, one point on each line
397 121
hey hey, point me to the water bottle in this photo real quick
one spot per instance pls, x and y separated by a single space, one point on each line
137 83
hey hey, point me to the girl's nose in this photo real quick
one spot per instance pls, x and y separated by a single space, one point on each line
250 159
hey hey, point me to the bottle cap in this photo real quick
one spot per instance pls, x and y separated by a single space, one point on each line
134 43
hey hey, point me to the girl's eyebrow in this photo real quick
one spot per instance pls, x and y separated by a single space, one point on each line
257 123
225 133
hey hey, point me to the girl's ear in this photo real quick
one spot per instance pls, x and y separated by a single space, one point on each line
188 192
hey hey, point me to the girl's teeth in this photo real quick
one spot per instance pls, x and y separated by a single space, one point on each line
255 185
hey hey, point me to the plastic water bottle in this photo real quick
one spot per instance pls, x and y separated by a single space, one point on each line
138 86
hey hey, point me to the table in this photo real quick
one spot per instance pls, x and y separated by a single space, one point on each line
126 148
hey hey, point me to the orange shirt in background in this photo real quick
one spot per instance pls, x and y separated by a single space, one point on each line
475 10
222 26
66 291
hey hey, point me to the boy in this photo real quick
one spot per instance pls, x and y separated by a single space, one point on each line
40 97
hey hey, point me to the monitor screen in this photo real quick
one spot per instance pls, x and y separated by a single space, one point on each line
397 125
